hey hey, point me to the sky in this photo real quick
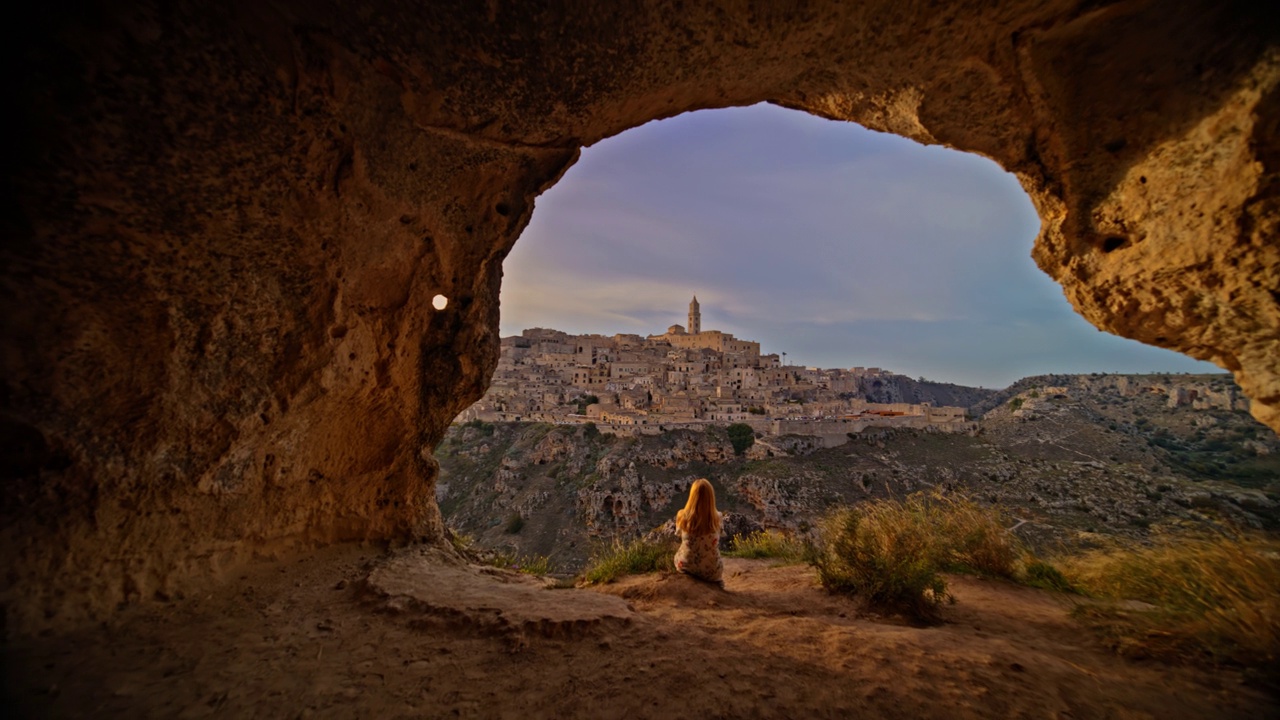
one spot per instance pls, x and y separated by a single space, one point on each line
837 245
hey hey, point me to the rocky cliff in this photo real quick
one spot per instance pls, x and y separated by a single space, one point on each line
902 389
1201 392
1079 458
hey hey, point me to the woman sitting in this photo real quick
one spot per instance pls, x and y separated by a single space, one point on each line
699 526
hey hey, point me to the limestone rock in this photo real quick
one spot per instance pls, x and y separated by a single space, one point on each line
228 223
423 585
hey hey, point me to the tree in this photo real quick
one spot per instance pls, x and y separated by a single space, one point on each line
741 436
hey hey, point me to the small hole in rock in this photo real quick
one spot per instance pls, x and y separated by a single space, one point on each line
439 302
1142 179
1116 145
1113 243
503 209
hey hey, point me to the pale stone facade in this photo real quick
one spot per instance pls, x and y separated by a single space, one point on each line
684 378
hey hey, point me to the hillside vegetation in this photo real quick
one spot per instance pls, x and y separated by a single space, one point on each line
1069 460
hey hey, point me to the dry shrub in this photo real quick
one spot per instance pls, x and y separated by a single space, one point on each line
1214 598
968 537
890 552
880 553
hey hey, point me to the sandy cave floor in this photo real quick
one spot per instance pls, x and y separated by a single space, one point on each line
350 632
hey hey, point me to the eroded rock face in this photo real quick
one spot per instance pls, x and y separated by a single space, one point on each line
230 223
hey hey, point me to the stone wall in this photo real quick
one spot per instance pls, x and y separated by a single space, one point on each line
226 223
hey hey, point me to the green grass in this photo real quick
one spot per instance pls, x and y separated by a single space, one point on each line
529 564
461 541
634 558
1041 574
767 544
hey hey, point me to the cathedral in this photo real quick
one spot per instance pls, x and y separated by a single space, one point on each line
695 338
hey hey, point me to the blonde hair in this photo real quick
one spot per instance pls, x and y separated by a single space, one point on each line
699 516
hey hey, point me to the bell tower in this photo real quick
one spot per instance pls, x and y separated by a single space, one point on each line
695 317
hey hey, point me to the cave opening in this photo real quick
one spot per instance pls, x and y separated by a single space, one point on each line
831 245
837 244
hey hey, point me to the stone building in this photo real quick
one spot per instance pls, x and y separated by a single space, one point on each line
682 378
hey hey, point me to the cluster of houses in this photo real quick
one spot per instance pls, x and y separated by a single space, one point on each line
684 378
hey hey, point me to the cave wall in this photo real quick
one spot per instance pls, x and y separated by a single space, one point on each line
227 224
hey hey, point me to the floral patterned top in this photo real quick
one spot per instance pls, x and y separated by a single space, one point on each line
699 556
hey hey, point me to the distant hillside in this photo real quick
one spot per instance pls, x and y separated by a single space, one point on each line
1073 456
902 389
1213 389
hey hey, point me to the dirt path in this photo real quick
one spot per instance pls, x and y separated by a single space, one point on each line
312 638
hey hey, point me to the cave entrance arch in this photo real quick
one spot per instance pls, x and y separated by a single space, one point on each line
229 224
892 254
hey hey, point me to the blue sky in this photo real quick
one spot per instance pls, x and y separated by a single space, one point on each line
840 246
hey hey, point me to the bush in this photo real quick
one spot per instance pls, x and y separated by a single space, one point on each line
634 558
741 436
767 544
878 552
1213 598
968 537
890 552
480 425
1015 403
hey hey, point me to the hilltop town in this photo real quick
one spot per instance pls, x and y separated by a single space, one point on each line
687 378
